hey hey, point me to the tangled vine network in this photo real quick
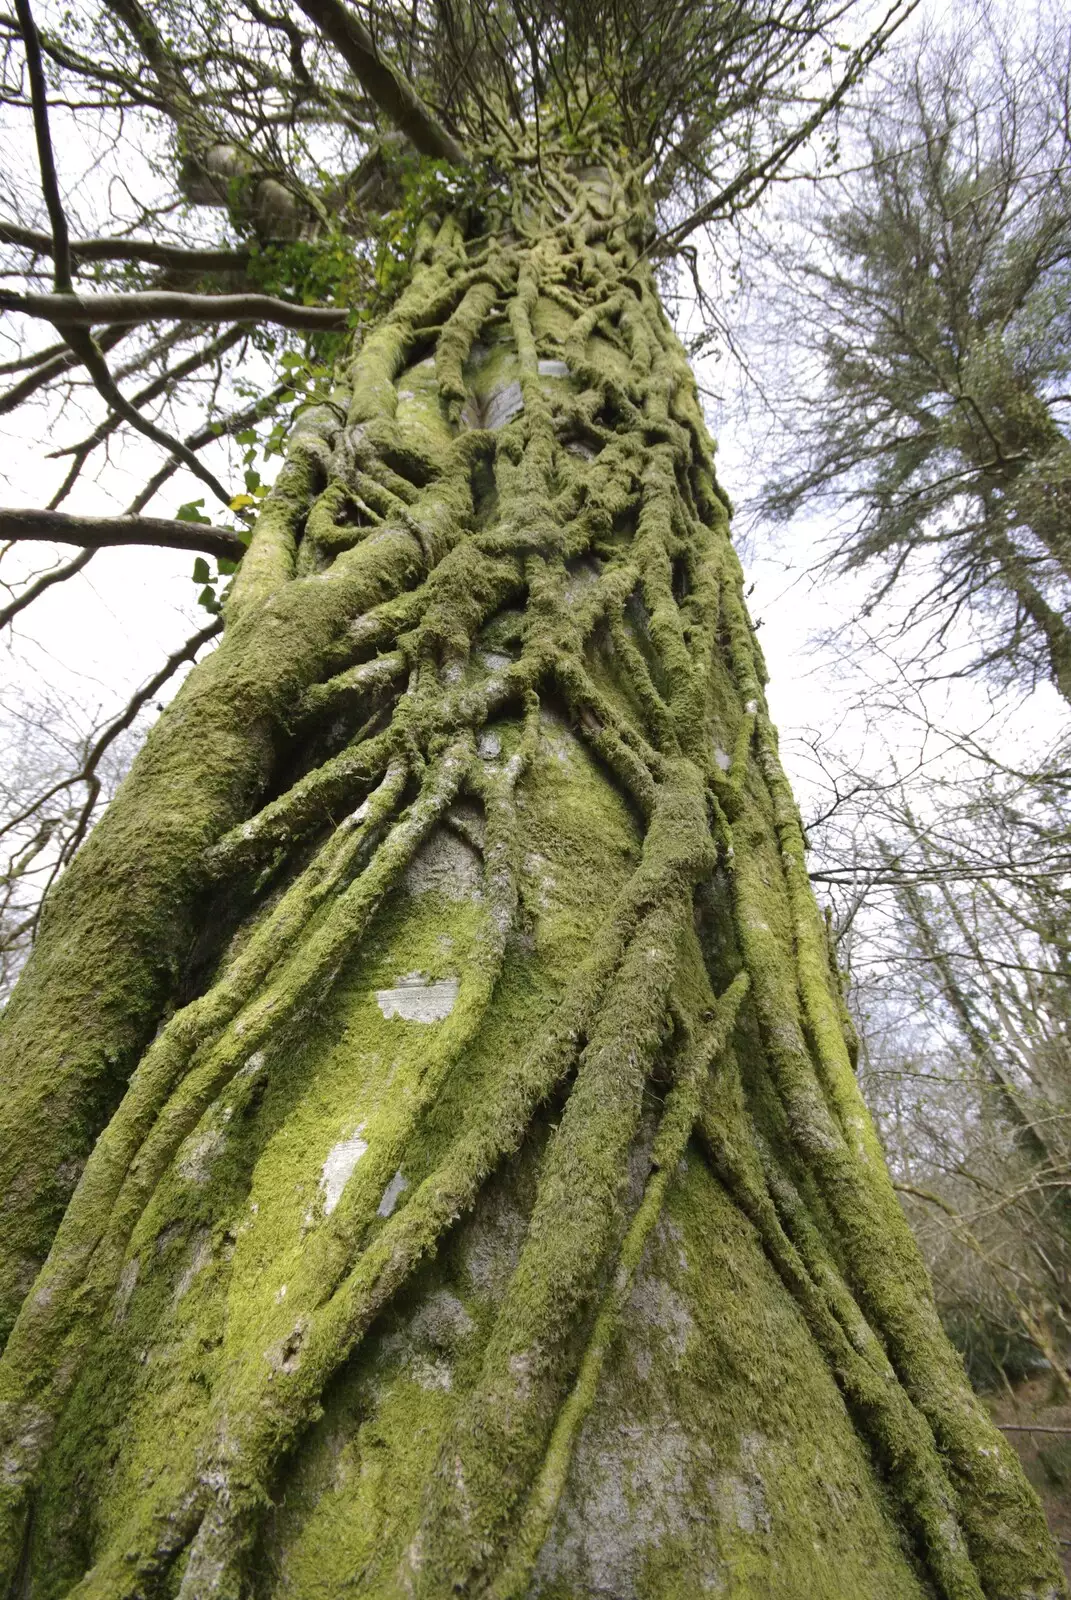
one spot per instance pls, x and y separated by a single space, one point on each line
503 522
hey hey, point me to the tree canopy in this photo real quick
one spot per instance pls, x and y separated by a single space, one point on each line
927 294
317 136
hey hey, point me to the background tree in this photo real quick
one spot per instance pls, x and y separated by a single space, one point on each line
952 919
926 303
432 1160
915 364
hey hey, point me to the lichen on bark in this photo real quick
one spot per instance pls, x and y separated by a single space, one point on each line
434 1159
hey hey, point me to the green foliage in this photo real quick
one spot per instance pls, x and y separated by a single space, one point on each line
429 189
212 596
192 511
331 268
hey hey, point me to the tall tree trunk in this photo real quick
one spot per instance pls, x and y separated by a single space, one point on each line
429 1088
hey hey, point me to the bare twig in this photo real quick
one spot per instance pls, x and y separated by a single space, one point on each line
1029 1427
751 183
54 361
164 383
88 775
246 417
86 348
47 579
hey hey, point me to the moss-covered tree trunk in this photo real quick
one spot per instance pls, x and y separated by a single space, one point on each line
432 1157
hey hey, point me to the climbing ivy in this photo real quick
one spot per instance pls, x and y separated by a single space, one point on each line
491 594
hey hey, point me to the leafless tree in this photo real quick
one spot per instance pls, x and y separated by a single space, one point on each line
952 887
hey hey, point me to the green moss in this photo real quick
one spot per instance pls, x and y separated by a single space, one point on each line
718 1456
674 1132
347 1300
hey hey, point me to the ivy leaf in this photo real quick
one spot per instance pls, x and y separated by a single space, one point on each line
240 502
201 571
191 512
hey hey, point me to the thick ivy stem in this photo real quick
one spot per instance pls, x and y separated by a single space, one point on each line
675 1129
518 1392
899 1436
37 1349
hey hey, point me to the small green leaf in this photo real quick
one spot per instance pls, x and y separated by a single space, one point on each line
191 512
201 571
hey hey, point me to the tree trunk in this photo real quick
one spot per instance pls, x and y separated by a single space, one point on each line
429 1088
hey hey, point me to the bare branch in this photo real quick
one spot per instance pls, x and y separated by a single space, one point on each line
1030 1427
88 351
88 774
386 87
246 417
146 250
61 250
127 310
165 383
54 361
46 581
750 184
95 533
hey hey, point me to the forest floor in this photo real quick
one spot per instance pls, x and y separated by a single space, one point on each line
1038 1424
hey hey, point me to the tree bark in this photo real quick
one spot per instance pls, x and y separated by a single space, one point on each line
432 1158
